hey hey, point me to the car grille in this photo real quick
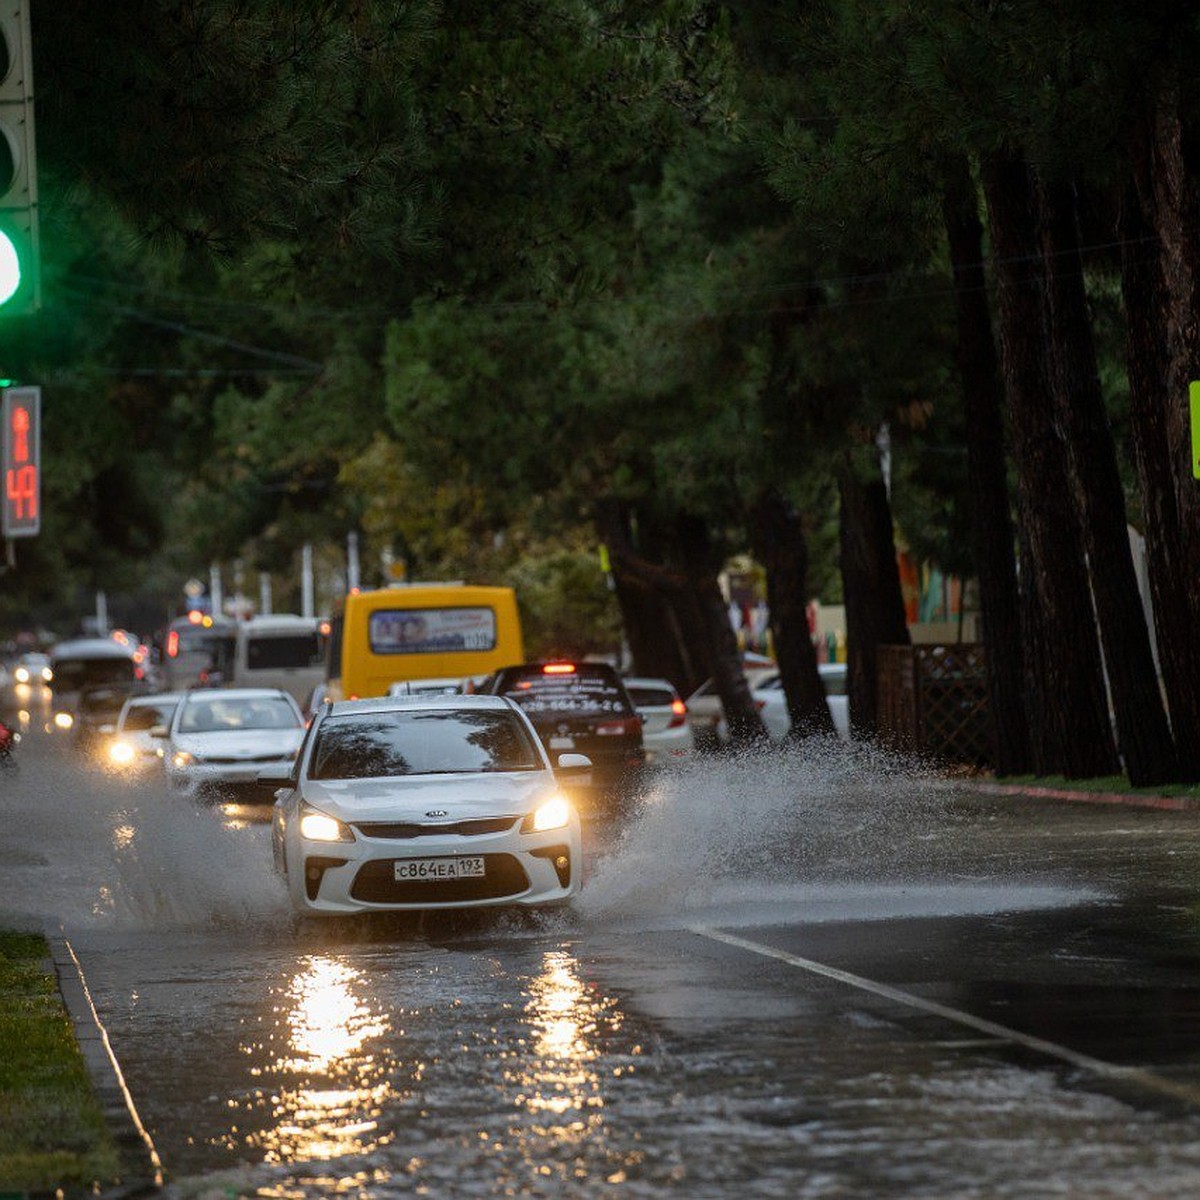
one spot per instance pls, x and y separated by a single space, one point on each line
376 883
412 829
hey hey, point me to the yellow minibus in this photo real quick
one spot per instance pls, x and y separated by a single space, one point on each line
420 631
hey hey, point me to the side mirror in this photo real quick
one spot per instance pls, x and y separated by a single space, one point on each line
159 731
280 775
573 764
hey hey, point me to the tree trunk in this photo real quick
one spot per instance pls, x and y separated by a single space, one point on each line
1160 264
657 608
995 539
780 545
871 586
720 644
1069 707
1143 733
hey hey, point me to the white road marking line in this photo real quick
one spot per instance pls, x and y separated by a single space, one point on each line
1085 1062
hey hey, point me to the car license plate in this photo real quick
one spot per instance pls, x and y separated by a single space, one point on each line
562 743
465 867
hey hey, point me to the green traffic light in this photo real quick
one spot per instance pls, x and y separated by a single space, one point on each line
10 268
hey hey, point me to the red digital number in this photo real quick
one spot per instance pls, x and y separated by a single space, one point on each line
22 489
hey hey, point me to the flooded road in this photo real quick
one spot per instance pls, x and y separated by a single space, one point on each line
789 977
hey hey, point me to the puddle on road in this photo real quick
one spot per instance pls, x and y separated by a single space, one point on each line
83 849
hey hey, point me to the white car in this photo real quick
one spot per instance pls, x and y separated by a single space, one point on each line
32 668
424 802
134 746
220 738
767 692
666 732
706 715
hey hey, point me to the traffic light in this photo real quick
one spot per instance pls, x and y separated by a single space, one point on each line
21 437
20 286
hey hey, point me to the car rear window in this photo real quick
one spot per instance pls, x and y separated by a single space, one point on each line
74 674
586 690
424 742
650 697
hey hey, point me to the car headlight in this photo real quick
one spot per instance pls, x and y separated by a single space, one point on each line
47 674
121 754
320 827
181 758
63 720
21 674
551 814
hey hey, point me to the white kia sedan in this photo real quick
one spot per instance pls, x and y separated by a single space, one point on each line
424 802
220 738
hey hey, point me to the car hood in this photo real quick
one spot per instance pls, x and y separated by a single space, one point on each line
240 743
459 797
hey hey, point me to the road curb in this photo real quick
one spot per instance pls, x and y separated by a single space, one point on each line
137 1149
1125 799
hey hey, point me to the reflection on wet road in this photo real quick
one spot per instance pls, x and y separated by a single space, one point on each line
613 1049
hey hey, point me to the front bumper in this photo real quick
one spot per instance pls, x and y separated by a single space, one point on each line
360 876
216 777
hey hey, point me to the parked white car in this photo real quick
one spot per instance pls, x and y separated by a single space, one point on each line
220 738
666 732
424 802
767 692
706 716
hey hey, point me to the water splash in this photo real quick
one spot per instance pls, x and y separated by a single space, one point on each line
84 849
821 831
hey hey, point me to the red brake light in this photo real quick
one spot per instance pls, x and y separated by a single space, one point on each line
173 643
195 616
678 714
559 669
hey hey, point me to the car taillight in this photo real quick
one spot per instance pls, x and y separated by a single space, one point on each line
173 643
760 704
559 669
626 725
678 714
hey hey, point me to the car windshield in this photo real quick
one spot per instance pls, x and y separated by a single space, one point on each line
423 742
140 717
75 674
234 713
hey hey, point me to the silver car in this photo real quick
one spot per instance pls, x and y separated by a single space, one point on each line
220 738
424 802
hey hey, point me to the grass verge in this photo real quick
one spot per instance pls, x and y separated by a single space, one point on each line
52 1130
1115 784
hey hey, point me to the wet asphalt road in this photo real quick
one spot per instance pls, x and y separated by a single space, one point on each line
819 976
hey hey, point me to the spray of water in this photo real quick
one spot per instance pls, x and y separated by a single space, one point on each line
84 849
817 831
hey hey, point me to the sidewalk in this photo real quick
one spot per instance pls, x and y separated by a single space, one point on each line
1081 795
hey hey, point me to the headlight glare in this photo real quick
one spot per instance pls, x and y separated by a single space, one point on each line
551 814
320 827
63 720
121 754
181 758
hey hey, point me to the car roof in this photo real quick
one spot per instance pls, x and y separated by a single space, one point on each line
430 702
235 694
91 648
154 698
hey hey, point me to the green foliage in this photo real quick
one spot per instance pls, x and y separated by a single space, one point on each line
52 1131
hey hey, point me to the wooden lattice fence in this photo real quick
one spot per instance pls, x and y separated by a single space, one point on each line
933 701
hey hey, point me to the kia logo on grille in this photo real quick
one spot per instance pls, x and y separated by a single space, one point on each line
438 812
